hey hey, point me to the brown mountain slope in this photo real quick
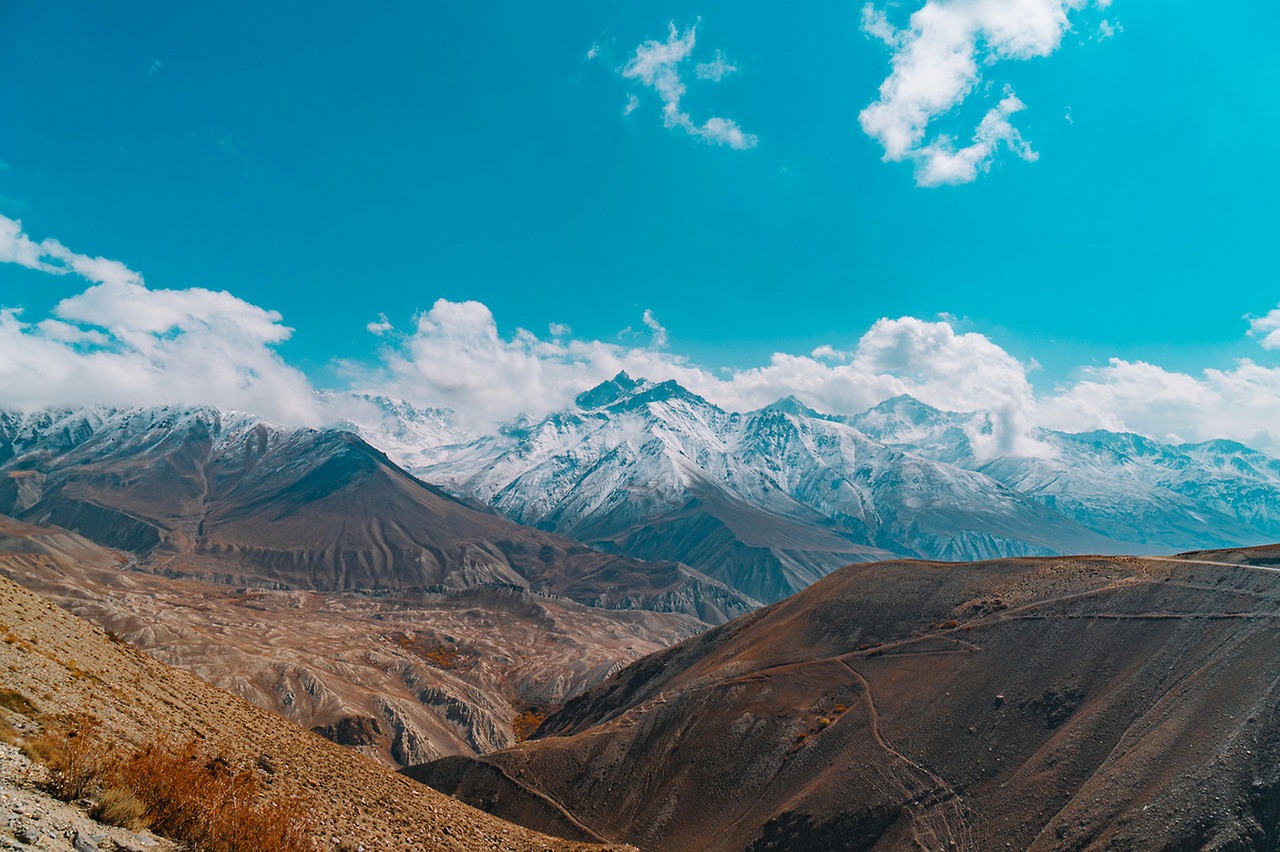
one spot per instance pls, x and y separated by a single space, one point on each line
1033 703
61 664
212 495
404 677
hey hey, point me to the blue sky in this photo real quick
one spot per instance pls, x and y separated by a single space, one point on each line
336 164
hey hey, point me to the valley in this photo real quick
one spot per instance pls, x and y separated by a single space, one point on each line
572 636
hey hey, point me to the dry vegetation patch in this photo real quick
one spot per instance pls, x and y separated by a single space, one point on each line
182 790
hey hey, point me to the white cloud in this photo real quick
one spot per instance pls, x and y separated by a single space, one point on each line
656 64
936 64
120 343
380 326
715 70
1268 328
457 358
659 332
1241 403
941 163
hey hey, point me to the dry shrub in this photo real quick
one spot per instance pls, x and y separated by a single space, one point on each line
527 723
17 702
184 792
74 755
201 799
119 806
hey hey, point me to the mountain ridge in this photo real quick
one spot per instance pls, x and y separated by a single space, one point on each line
230 497
632 466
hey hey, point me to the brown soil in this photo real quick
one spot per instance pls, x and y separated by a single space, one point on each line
1074 703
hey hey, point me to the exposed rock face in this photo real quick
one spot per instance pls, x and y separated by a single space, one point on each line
352 731
1041 704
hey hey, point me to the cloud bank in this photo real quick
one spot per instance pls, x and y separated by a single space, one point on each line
657 66
455 356
936 64
119 342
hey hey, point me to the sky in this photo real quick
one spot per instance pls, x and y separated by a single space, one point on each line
1059 210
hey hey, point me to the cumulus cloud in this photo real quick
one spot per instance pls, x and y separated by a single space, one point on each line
937 61
121 343
455 357
1241 403
657 65
1267 328
941 163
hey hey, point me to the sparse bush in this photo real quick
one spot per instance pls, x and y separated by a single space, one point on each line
202 799
184 792
74 756
119 806
527 723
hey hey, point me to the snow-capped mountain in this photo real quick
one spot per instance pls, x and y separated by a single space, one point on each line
767 501
1126 486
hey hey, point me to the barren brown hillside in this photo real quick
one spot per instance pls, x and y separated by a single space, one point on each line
62 664
1073 703
402 676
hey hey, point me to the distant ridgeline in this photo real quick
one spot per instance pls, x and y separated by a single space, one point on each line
770 500
641 495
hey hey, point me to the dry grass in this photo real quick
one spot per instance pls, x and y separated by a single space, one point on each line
119 806
202 799
182 791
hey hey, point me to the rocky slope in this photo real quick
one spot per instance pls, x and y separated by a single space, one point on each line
60 664
402 677
228 497
30 818
1072 703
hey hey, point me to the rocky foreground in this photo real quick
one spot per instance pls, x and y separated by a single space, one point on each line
56 666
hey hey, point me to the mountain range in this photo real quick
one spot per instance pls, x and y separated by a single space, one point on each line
640 494
225 496
768 501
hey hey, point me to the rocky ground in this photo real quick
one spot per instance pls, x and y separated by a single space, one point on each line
32 819
62 666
